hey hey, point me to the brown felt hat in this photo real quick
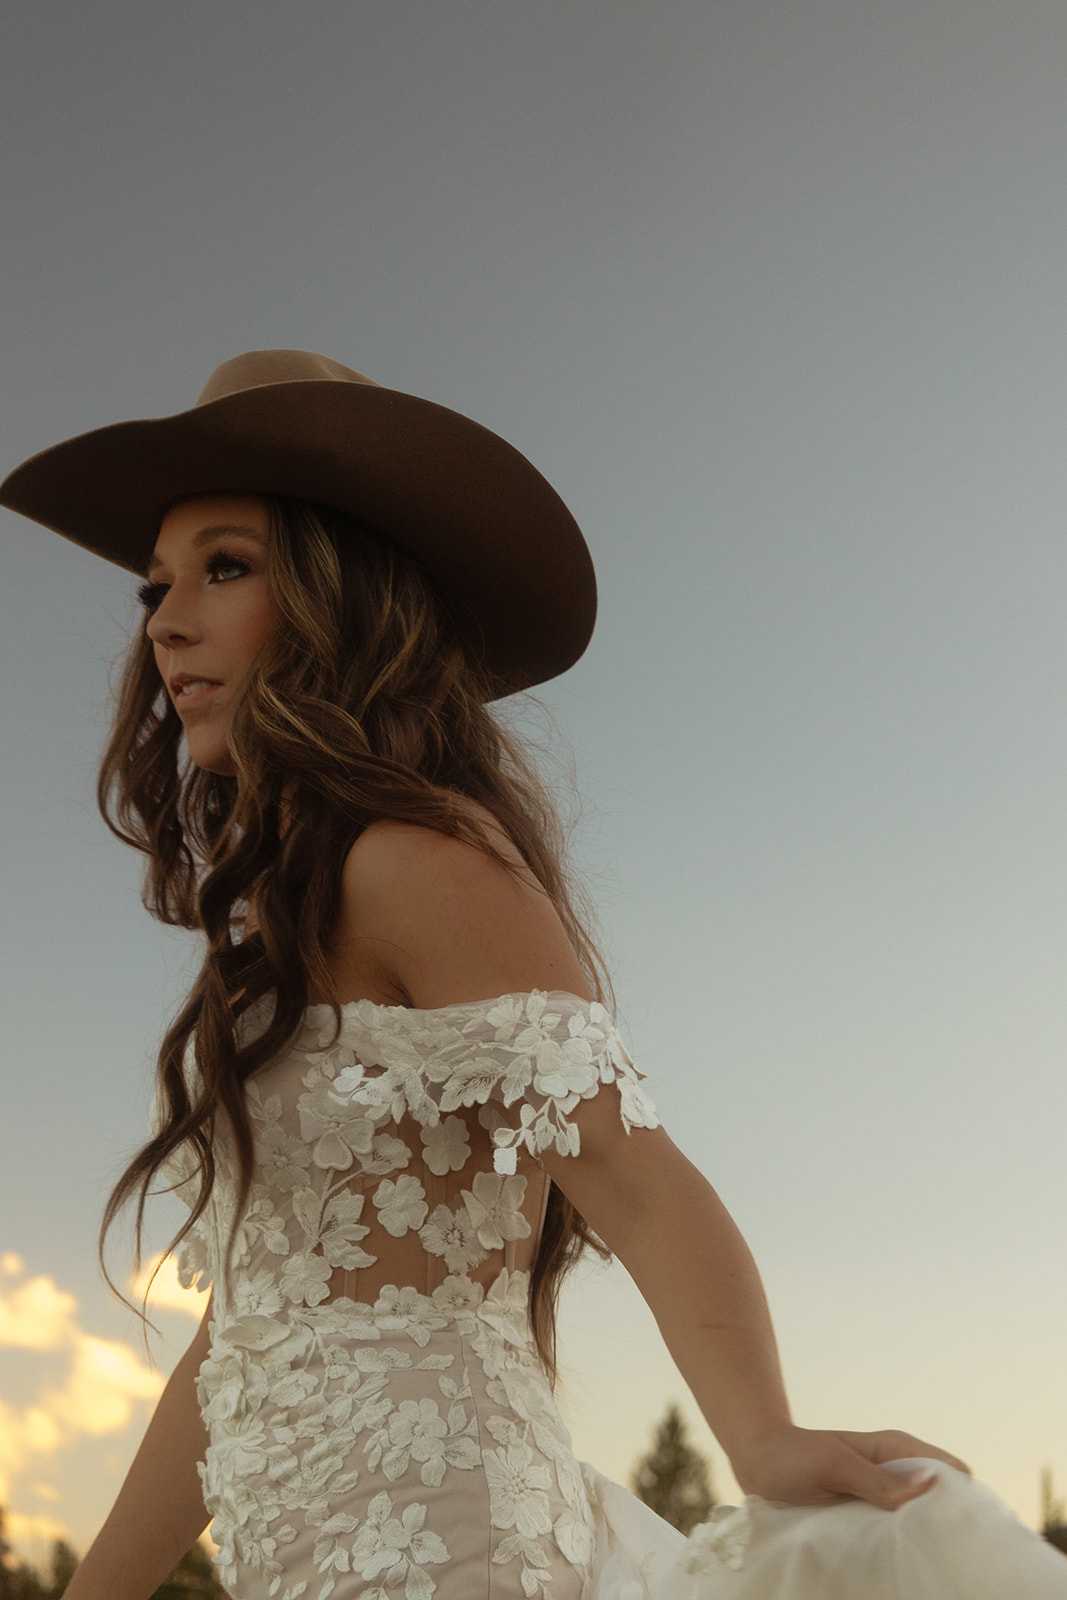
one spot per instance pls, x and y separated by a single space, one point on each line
500 546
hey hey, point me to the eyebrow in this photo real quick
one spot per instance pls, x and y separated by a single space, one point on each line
217 530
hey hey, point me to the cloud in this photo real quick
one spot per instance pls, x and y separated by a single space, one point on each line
37 1527
37 1315
26 1433
167 1293
105 1379
102 1383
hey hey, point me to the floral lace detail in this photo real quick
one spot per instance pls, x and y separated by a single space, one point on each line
547 1050
353 1433
414 1393
725 1538
524 1062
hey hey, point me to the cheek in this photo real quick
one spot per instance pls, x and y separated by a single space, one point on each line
260 624
268 624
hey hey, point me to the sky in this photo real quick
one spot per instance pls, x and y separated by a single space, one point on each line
773 294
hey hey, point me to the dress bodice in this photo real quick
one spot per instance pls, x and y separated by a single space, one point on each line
401 1150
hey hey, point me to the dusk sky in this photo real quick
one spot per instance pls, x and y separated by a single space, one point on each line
774 294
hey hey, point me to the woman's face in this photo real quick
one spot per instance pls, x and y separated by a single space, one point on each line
210 613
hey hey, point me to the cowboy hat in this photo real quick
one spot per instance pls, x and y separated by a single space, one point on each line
496 540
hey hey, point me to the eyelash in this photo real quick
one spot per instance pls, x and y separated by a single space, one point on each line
151 594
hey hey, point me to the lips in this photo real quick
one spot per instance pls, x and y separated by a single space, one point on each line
189 691
196 683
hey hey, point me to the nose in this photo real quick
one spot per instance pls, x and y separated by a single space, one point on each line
174 619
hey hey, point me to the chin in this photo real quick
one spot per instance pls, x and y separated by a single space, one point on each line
209 758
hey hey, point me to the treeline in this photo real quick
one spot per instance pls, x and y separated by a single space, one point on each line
673 1478
194 1576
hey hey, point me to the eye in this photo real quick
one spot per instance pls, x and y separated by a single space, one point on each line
220 562
151 595
220 565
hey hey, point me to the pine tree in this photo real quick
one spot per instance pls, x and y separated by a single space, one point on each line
17 1581
192 1579
7 1562
64 1565
63 1568
673 1478
1053 1513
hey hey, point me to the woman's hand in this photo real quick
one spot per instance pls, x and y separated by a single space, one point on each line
804 1467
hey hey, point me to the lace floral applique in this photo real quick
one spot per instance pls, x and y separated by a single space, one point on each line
494 1208
450 1234
401 1205
349 1434
724 1539
396 1550
547 1051
446 1147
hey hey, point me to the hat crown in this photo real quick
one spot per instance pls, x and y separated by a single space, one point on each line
258 368
496 541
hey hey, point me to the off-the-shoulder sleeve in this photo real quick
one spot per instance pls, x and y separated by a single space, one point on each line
535 1055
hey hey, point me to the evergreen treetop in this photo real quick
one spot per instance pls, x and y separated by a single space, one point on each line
674 1478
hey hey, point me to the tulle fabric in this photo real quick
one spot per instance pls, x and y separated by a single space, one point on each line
956 1542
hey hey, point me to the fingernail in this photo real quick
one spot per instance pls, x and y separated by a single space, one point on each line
915 1480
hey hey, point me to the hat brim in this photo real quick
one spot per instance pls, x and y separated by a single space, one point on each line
499 543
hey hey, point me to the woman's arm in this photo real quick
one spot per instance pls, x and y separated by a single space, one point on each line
160 1511
669 1228
436 921
682 1248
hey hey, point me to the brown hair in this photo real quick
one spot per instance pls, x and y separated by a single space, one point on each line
397 728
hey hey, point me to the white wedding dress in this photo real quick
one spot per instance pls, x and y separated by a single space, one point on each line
380 1422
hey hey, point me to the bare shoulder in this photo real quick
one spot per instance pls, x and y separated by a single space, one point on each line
390 853
446 922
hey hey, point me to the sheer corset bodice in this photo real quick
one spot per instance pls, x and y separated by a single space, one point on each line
377 1412
402 1150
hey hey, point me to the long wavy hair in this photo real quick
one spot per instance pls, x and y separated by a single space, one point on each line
325 739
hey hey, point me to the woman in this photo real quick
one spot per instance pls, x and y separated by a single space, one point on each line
393 1100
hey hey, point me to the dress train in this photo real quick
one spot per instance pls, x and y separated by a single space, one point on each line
956 1542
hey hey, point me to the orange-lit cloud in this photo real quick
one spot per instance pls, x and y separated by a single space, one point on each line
167 1293
39 1527
36 1315
103 1381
